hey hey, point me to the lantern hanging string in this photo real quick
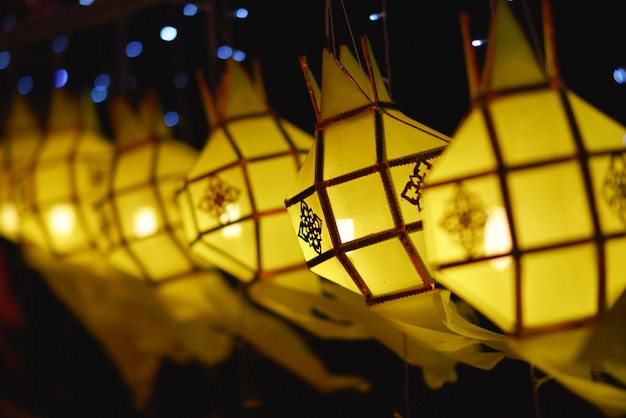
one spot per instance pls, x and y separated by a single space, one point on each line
330 28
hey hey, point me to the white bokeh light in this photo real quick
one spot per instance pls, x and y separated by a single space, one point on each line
168 33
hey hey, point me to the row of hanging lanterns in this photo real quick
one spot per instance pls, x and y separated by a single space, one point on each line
520 213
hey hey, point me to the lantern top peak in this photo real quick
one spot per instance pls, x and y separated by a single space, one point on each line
344 77
238 94
510 61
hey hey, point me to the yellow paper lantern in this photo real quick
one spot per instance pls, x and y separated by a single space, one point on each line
138 217
524 212
356 203
67 174
21 137
232 200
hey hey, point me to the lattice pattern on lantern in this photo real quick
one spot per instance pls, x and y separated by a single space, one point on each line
139 218
232 201
356 203
540 175
66 175
21 137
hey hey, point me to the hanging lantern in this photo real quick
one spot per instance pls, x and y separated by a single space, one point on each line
356 203
67 174
18 145
138 216
232 201
524 212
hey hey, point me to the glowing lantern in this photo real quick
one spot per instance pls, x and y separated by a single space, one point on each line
525 215
139 217
20 141
67 174
232 201
356 203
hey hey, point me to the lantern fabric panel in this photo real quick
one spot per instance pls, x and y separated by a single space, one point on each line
470 157
277 228
557 211
349 147
536 128
354 220
262 173
221 145
559 286
598 131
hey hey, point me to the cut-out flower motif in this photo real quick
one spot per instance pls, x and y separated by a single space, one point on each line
219 197
614 186
97 171
413 190
310 229
465 219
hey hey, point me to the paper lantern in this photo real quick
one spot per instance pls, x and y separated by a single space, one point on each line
232 201
67 174
524 212
356 203
138 217
20 140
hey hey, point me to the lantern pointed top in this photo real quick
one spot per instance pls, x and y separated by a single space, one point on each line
345 84
238 94
64 110
21 116
510 62
137 125
69 110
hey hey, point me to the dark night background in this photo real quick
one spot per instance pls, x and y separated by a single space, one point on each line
63 373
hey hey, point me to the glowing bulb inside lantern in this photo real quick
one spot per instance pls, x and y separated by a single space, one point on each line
61 220
346 229
144 222
9 218
231 213
498 237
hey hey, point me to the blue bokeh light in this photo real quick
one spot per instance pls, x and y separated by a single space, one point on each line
5 59
241 13
134 49
239 56
60 43
190 9
171 118
99 94
61 76
25 85
619 75
181 80
102 80
224 52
